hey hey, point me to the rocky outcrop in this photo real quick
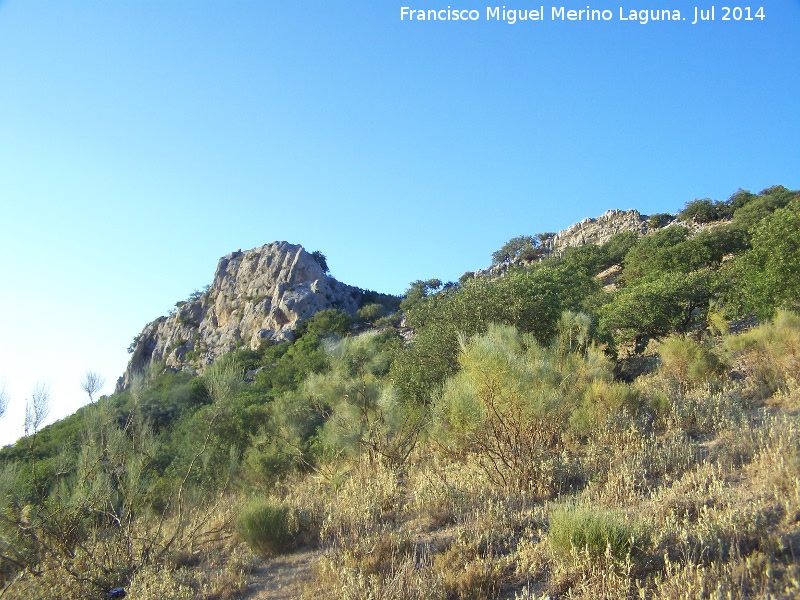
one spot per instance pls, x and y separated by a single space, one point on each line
596 230
257 295
609 277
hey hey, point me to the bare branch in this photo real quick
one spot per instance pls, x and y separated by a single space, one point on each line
3 398
92 383
37 408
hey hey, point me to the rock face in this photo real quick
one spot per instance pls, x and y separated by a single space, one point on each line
260 294
597 230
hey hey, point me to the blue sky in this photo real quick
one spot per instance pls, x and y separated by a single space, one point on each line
142 140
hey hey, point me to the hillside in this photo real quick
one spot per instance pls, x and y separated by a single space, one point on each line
262 294
607 412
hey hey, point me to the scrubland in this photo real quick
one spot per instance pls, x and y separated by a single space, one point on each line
537 435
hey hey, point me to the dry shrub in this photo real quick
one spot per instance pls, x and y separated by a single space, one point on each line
404 582
768 355
754 577
467 575
220 576
587 578
440 491
378 554
358 502
705 408
154 583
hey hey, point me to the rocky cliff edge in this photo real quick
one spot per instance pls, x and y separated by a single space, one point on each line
260 294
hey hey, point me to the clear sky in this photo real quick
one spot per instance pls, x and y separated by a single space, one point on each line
142 140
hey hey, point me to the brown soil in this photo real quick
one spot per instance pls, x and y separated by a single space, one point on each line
282 578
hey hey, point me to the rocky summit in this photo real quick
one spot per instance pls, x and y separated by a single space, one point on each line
597 230
257 295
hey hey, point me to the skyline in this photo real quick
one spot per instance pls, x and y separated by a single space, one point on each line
142 141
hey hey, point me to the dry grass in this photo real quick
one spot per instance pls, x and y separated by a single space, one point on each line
718 494
695 496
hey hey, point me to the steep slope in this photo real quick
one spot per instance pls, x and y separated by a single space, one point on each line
259 294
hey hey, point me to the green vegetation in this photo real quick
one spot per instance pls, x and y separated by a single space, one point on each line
538 436
320 259
580 529
264 526
658 220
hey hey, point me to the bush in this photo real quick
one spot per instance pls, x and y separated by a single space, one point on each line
769 355
688 361
264 526
370 313
658 220
601 400
618 245
581 529
700 211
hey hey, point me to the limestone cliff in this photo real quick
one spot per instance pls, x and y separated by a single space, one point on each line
260 294
596 230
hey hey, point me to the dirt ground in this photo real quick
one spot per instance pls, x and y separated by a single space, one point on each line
282 578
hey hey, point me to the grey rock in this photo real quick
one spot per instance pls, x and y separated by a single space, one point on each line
597 230
259 294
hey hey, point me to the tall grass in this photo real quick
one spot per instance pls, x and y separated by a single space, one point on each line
575 529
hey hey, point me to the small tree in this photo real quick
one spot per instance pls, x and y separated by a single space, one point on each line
516 247
319 257
92 383
658 220
3 398
770 272
417 291
700 211
363 412
37 410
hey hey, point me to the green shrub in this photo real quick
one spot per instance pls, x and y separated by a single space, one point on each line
320 259
509 404
658 220
601 399
264 526
595 532
688 361
370 313
700 211
618 245
392 320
